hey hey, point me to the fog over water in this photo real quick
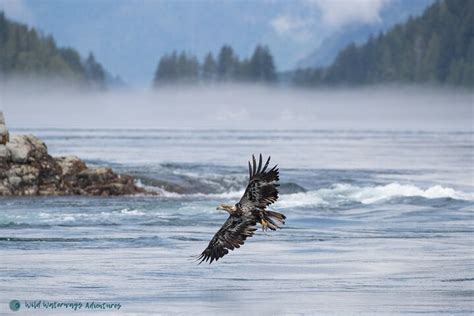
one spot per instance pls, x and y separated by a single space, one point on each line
238 107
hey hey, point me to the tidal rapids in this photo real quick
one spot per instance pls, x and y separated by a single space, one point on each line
377 222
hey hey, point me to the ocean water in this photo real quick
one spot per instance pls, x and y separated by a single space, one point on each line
378 222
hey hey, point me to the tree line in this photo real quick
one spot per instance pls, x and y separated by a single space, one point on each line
435 48
27 53
226 67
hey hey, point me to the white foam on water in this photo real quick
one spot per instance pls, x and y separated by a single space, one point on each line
132 212
340 193
374 194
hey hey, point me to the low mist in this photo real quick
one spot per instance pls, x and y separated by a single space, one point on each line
43 105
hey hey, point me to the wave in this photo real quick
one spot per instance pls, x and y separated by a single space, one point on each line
347 193
194 209
47 220
340 193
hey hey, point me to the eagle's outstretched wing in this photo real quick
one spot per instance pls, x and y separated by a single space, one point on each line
262 188
231 235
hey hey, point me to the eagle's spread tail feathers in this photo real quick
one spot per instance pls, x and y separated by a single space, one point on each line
272 220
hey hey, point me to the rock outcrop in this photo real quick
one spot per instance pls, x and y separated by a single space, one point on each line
3 130
27 169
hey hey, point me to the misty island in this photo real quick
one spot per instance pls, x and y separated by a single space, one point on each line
26 169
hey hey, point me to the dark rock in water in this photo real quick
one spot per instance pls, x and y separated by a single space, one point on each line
290 188
26 168
102 181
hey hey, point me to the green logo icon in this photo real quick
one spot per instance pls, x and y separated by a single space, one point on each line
15 305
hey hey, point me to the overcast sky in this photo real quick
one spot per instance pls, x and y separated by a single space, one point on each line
129 36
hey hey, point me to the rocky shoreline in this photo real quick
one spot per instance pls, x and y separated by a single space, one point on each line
26 169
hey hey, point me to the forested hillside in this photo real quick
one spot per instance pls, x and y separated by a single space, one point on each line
435 48
227 67
26 53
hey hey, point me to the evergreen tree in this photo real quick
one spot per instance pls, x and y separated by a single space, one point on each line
262 67
209 68
73 60
94 72
174 68
167 69
226 64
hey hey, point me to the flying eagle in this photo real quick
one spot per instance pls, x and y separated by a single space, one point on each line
261 191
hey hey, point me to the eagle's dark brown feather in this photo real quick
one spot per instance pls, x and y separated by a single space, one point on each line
262 189
231 235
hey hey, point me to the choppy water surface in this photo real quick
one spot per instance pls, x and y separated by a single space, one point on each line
379 222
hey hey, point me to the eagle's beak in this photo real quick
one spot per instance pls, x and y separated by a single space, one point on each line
220 208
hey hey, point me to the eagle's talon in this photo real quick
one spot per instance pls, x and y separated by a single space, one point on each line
264 224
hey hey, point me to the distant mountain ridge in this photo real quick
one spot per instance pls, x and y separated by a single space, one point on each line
396 12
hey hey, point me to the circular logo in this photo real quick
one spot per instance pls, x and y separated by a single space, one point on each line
15 305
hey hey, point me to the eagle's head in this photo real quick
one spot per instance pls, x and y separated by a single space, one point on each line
226 207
